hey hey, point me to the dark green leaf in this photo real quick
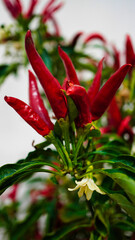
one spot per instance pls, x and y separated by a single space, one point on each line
65 230
125 179
47 60
13 173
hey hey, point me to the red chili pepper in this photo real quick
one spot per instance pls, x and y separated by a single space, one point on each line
50 84
75 39
130 55
36 101
107 92
65 84
70 70
15 9
18 6
95 36
115 122
32 5
13 194
116 54
94 88
49 10
80 97
125 128
48 5
29 115
56 26
114 115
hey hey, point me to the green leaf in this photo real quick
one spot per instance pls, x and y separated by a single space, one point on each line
66 229
5 70
122 161
132 88
21 229
13 173
101 223
47 60
42 145
125 225
125 179
122 201
95 236
73 212
68 49
72 110
57 129
94 131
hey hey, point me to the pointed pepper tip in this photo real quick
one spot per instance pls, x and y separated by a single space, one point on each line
60 51
28 38
6 98
30 73
28 34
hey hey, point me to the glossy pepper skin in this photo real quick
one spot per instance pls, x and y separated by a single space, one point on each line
116 55
49 10
94 36
116 122
129 51
75 39
94 88
107 92
50 84
29 115
31 8
80 98
114 114
70 70
97 99
14 8
36 101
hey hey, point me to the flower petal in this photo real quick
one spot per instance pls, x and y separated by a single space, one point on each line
81 191
88 193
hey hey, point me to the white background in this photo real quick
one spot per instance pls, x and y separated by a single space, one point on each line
113 18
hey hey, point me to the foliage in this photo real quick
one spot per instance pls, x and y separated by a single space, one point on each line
98 156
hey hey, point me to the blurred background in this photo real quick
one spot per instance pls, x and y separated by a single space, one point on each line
114 19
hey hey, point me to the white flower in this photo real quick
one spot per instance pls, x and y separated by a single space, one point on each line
86 186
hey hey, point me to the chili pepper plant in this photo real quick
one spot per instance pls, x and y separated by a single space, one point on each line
79 182
47 35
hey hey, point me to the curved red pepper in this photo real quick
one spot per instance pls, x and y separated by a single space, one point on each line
80 97
32 5
95 36
48 5
114 115
65 84
75 39
125 128
15 9
29 115
56 26
18 6
116 122
130 55
107 92
36 101
49 10
94 88
70 70
50 84
116 54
